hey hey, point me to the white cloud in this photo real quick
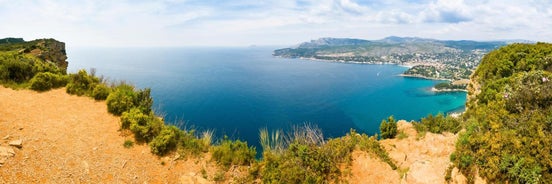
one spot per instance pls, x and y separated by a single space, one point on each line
448 11
244 22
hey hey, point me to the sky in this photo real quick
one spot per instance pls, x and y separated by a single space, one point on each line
277 22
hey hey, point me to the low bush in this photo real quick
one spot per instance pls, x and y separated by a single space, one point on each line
46 81
128 144
190 144
4 73
233 153
121 99
302 162
144 126
388 128
438 124
81 83
124 97
100 92
146 131
44 66
166 140
18 71
132 117
143 100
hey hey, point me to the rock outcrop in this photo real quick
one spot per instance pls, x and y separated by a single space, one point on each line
16 143
49 50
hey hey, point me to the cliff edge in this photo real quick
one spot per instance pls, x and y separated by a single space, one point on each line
49 50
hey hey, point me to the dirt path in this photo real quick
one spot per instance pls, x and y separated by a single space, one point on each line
420 159
70 139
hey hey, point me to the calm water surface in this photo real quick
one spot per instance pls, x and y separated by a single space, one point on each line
237 91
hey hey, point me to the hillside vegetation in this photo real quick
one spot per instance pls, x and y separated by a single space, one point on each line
508 122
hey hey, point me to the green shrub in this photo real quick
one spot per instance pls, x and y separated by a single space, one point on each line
100 92
305 157
438 124
121 99
42 66
402 135
388 128
508 134
47 81
304 162
219 176
124 97
166 140
81 83
146 131
4 73
133 116
144 126
128 144
300 163
190 144
233 153
143 100
528 91
18 71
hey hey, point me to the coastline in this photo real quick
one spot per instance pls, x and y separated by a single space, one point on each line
407 65
345 62
447 90
423 77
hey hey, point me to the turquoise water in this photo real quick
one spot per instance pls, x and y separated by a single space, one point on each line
237 91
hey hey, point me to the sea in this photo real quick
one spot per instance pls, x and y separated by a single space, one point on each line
238 91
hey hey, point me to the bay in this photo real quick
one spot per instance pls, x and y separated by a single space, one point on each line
237 91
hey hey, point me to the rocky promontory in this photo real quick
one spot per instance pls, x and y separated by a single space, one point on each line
49 50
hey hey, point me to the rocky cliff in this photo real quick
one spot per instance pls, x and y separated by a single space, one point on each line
49 50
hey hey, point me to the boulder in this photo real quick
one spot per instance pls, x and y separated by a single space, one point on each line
17 143
6 152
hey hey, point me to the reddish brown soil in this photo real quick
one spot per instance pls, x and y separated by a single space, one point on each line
71 139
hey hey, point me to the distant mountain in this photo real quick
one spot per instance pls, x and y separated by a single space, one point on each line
443 59
333 42
387 46
11 40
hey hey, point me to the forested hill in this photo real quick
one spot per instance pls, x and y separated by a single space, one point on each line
443 59
508 122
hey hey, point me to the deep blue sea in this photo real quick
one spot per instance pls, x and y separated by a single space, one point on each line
237 91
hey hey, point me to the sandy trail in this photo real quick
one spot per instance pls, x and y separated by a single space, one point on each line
71 139
420 159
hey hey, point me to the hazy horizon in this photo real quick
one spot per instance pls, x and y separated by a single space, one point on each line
181 23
